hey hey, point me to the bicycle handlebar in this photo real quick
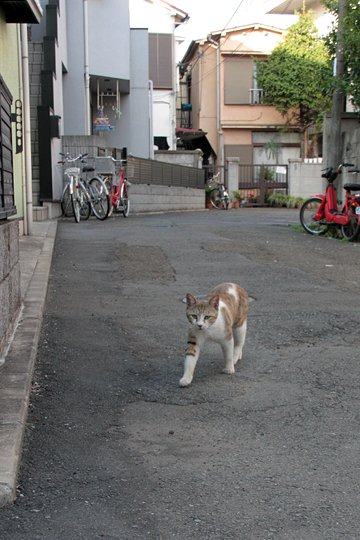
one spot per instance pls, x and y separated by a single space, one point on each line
117 160
69 159
331 173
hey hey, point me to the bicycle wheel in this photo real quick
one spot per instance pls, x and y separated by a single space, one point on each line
352 229
100 198
125 201
75 201
80 203
216 199
66 204
110 188
307 214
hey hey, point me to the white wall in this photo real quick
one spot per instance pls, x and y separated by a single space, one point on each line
159 18
305 179
152 15
109 53
109 38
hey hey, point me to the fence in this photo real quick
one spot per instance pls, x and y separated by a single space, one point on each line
257 181
147 171
138 170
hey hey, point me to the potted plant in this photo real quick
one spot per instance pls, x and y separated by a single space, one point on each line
207 196
252 199
237 199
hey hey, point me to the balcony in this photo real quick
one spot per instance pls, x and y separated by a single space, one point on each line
256 96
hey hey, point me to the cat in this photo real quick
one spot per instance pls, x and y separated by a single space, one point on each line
221 317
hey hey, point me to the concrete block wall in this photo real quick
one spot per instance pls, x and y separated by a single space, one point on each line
352 155
10 290
305 178
188 158
146 198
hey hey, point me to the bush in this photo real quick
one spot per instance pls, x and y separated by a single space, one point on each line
285 201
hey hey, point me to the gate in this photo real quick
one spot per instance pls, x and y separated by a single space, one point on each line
256 182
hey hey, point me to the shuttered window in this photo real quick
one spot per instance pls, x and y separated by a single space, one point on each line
238 80
7 200
161 60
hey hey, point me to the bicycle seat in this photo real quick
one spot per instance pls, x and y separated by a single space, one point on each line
88 168
352 187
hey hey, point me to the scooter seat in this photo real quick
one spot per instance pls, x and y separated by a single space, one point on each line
352 187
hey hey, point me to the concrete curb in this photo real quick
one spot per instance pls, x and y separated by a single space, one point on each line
17 372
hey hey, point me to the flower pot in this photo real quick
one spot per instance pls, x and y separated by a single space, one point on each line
207 200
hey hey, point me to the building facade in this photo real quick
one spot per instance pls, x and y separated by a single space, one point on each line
90 79
161 20
14 153
219 89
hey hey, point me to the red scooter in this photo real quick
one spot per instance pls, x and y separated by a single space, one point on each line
321 210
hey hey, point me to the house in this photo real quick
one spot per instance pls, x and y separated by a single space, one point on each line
90 85
221 105
161 19
15 152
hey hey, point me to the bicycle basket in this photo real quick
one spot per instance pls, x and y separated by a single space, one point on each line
72 170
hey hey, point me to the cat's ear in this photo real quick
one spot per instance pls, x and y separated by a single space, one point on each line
214 301
190 300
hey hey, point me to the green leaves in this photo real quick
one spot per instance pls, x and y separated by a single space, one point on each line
351 36
296 76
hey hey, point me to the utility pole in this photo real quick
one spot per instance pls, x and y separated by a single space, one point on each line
335 150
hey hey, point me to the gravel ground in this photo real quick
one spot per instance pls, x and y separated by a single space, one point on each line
115 449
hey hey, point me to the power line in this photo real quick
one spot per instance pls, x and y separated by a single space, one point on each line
208 47
229 54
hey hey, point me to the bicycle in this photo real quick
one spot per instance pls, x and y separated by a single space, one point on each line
219 196
75 199
91 195
321 211
119 194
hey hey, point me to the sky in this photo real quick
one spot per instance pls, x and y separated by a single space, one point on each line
210 15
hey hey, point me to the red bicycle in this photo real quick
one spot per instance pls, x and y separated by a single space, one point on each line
321 211
118 190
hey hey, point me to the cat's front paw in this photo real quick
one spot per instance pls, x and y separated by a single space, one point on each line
185 381
229 370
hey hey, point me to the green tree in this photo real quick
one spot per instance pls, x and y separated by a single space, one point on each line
296 76
351 36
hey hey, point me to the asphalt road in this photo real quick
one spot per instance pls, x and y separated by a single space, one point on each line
116 450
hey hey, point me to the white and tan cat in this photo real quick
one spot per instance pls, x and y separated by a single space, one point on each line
221 317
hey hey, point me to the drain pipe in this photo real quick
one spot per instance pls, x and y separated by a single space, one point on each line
218 109
28 229
23 175
151 120
86 69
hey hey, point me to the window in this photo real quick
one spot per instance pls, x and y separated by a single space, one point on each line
161 60
7 201
240 81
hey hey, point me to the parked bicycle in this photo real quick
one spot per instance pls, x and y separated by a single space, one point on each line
84 195
74 200
219 195
118 190
321 211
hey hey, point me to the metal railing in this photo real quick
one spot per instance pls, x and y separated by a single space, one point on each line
256 96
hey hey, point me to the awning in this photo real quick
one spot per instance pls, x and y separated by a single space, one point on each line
22 11
190 134
192 139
